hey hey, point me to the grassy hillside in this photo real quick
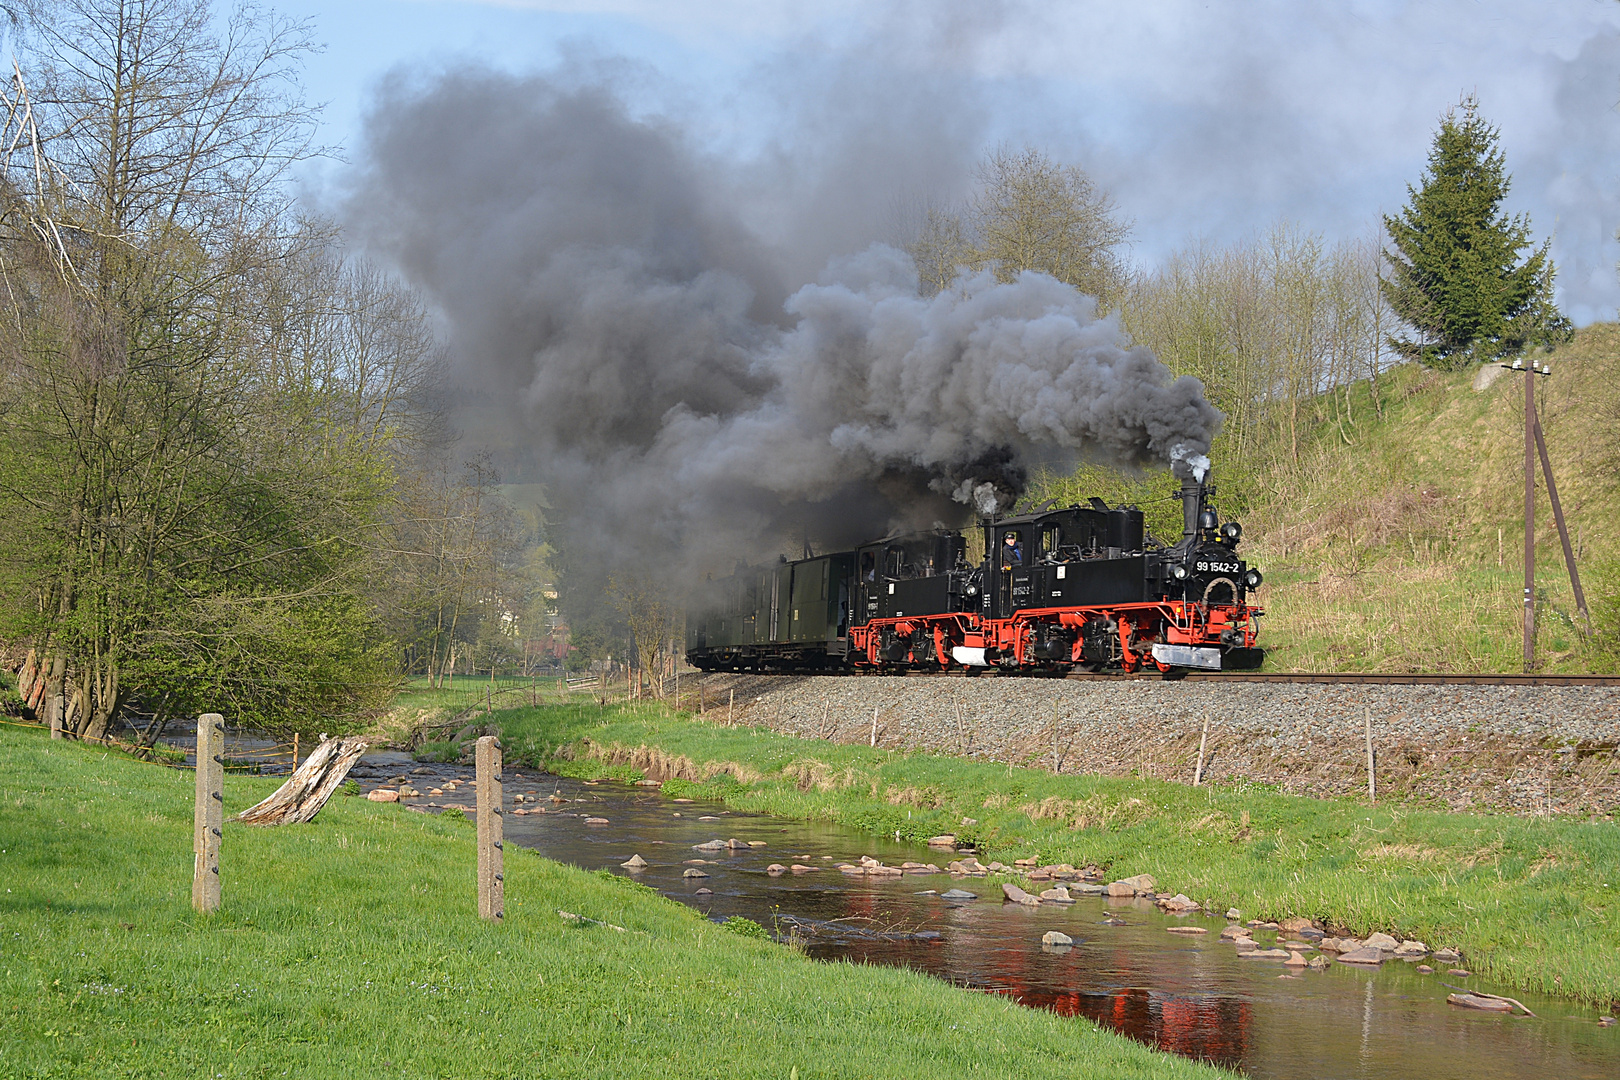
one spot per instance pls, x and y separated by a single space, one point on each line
1395 543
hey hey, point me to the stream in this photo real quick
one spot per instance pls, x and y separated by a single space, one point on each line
1189 995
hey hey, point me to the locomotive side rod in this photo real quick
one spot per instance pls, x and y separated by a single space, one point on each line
1362 678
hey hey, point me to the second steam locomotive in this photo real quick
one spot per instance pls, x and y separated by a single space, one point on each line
1081 587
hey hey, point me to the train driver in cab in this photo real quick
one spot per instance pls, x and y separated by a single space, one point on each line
1012 552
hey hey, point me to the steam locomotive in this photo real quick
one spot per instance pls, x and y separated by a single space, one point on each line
1058 589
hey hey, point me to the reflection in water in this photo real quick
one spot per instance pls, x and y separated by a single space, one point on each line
1187 995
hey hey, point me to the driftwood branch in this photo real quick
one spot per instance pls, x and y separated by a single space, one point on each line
1488 997
310 785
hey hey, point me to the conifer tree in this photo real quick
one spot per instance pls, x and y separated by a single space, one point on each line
1456 274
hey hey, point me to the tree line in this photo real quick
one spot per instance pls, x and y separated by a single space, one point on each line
224 480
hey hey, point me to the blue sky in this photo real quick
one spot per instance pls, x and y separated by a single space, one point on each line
1204 120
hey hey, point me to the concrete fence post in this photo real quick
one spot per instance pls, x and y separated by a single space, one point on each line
491 876
208 816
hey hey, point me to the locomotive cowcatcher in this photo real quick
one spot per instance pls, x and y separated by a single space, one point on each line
1081 587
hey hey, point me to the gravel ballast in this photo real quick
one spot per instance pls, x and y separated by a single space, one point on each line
1525 749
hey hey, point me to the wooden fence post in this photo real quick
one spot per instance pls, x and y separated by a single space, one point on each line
53 711
873 740
208 815
731 708
491 878
1203 741
1372 782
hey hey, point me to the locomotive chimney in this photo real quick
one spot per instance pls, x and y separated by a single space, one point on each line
1192 502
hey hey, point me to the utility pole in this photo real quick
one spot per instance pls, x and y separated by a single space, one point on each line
1535 445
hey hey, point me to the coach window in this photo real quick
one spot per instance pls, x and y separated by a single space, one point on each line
1050 537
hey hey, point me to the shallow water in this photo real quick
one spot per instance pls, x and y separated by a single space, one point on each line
1190 995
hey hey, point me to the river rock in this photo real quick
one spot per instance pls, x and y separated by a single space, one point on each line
943 840
1120 888
1142 883
1447 955
1318 963
1089 888
851 869
708 817
1367 954
1179 902
1265 954
1483 1004
1461 973
383 794
1246 945
1059 895
704 892
1056 937
1382 942
735 844
1232 933
408 792
1017 895
758 843
1424 969
1411 949
649 783
711 845
694 872
1029 863
1295 924
776 869
1234 914
958 894
1295 960
436 791
596 821
800 868
1186 930
636 862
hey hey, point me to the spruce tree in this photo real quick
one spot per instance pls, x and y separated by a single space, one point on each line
1456 276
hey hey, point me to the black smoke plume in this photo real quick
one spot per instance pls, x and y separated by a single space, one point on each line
685 402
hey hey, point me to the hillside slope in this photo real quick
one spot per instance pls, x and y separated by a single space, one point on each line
1396 544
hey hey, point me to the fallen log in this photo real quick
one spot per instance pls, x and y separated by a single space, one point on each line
310 785
1482 1000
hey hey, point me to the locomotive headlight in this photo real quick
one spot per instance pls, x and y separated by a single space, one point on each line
1253 579
1231 532
1178 572
973 590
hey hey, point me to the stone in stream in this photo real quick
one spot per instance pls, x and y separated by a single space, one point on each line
1266 954
1364 955
1295 924
1186 930
694 872
1447 955
708 817
776 869
1179 902
408 792
1089 888
1461 973
1120 889
1424 969
422 771
704 892
1244 944
1019 896
1606 1021
1231 933
1295 960
596 821
1413 949
710 845
1142 883
735 844
635 862
1059 895
1234 914
758 843
943 840
958 894
800 868
383 794
1319 962
1056 937
926 935
649 783
1381 942
436 791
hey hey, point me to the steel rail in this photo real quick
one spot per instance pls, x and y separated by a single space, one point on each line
1346 678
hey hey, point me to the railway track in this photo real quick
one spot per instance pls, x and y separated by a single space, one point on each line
1336 678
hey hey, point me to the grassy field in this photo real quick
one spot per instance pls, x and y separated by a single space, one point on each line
1531 901
350 948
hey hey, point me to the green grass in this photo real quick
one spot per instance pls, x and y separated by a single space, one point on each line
350 948
1531 901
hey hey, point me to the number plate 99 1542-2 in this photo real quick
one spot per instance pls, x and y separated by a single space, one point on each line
1209 566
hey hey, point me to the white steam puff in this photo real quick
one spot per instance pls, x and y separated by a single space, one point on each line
1185 461
681 405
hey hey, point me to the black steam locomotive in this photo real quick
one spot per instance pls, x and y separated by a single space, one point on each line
1079 587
